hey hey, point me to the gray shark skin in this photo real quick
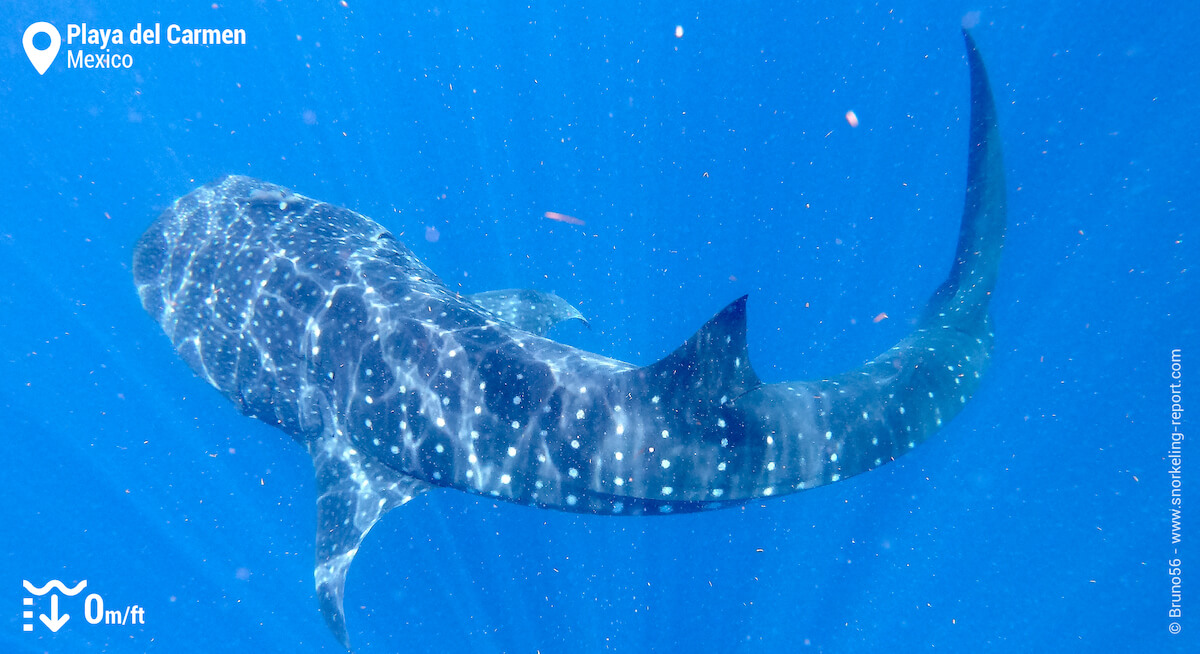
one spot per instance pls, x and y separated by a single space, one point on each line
315 319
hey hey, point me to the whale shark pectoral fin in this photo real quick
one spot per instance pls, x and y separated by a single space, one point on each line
354 493
527 309
710 368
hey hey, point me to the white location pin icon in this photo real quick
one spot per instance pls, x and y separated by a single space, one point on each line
41 59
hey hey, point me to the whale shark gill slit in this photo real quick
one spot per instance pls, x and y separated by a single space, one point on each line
315 319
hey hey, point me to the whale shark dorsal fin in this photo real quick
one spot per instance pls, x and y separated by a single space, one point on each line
353 494
712 367
527 309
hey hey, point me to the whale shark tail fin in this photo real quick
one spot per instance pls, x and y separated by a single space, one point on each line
847 424
962 300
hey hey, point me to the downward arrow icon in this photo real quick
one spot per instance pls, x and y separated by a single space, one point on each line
55 621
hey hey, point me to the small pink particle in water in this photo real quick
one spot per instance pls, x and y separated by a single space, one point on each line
432 234
563 218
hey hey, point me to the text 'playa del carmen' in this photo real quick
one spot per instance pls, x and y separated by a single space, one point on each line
79 34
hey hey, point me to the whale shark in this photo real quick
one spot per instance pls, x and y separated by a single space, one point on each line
317 320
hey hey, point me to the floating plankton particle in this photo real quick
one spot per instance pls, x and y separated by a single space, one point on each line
563 218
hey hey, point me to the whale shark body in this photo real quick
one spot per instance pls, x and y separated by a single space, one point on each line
315 319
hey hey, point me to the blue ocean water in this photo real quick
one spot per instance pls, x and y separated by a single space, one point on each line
704 166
